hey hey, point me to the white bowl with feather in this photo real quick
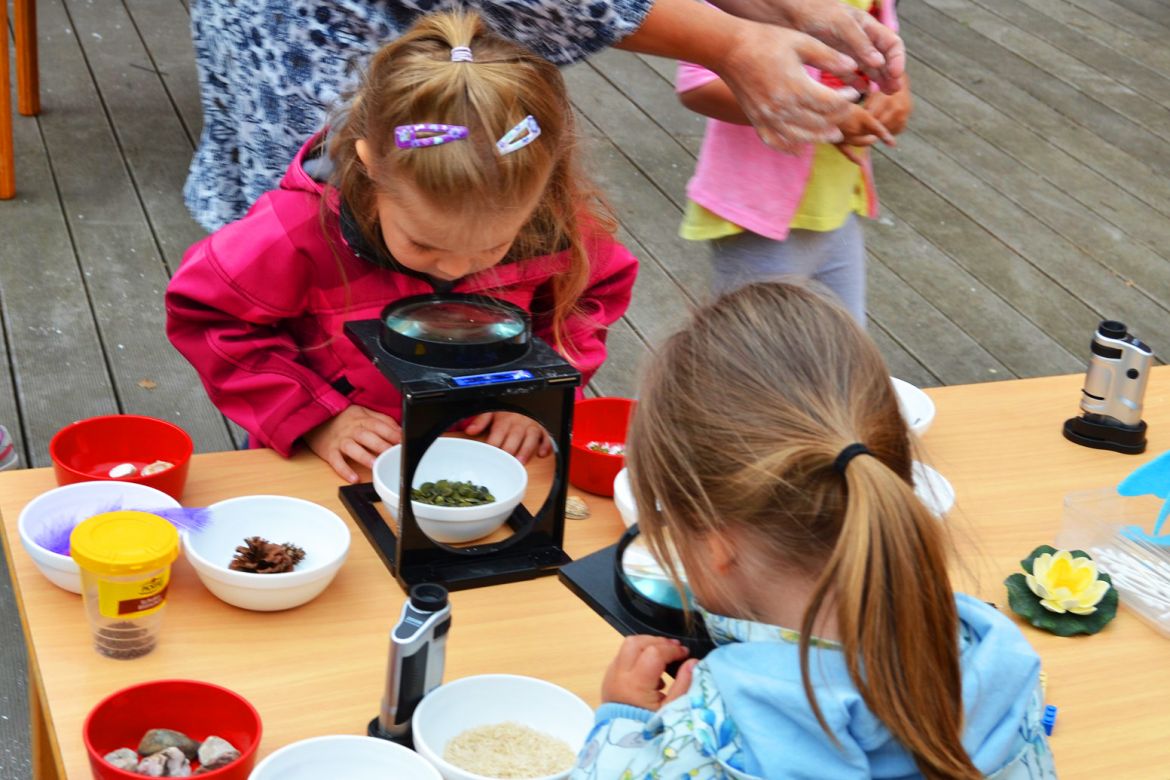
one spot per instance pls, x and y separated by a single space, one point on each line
54 512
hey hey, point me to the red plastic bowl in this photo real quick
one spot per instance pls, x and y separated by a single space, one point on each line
87 449
197 709
598 419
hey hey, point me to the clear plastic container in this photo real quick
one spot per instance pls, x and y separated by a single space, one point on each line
125 560
1100 522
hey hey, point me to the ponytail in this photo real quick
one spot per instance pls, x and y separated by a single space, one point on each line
895 610
731 435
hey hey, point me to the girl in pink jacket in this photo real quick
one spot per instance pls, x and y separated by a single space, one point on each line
454 171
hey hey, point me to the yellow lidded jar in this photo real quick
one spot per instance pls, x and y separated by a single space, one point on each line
125 560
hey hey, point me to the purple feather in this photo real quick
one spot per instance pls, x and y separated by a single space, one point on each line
53 535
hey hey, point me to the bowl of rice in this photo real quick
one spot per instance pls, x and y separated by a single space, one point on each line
501 727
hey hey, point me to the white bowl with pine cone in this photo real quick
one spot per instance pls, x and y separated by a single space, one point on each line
268 553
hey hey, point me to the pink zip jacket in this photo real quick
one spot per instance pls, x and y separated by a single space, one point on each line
746 182
258 309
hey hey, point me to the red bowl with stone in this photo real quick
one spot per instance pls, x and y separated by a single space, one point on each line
599 423
87 449
195 708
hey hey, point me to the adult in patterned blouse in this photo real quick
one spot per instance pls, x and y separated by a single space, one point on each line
270 70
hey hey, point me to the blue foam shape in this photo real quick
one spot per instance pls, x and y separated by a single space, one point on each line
1151 479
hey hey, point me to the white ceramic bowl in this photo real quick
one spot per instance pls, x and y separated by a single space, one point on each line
458 460
623 498
917 408
933 489
345 757
80 501
489 699
320 533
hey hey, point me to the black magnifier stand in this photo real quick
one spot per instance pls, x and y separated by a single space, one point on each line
441 368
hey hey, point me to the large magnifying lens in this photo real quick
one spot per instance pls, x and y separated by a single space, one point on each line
455 331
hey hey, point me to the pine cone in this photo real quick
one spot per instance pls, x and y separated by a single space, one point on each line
260 556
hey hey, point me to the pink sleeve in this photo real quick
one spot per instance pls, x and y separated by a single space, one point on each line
888 13
613 269
227 312
690 76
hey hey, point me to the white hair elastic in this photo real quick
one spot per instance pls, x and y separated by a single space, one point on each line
461 54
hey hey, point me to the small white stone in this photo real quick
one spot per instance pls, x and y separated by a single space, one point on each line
123 470
156 467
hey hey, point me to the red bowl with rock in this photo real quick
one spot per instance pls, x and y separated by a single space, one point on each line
197 709
599 441
89 449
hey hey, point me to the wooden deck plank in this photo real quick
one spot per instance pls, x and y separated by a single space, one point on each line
618 376
1123 18
1119 210
165 29
9 409
1153 55
992 322
1127 171
644 87
898 360
1064 317
1008 66
59 371
926 333
1105 243
1097 85
124 274
149 134
1096 55
1058 260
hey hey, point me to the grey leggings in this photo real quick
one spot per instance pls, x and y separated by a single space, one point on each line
835 259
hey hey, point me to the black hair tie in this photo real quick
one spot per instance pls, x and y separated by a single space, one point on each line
849 453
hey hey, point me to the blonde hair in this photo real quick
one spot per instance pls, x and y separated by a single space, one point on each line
741 418
413 80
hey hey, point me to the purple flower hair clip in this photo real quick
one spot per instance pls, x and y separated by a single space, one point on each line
407 136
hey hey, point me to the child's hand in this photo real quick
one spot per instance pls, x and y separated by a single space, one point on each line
891 110
359 434
635 675
861 128
521 436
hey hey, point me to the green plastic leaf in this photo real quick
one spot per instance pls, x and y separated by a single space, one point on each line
1027 604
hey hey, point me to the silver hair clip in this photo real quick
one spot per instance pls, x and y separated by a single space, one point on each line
408 136
461 54
519 136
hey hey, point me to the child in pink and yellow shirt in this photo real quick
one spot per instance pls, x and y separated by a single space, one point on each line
767 214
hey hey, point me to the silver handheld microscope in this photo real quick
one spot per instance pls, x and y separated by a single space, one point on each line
1111 399
418 646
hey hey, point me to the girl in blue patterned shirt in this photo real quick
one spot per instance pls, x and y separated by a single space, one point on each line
769 459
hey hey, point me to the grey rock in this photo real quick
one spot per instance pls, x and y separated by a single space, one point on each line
158 740
123 758
168 763
216 752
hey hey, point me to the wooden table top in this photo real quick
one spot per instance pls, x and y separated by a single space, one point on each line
319 669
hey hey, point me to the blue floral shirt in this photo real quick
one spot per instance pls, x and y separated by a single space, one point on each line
745 715
271 70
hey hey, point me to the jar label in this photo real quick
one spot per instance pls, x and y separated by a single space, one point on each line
133 599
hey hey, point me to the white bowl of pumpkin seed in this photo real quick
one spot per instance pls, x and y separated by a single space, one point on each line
489 469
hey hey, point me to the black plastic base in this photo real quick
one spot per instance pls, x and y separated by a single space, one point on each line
374 730
535 555
1106 436
592 580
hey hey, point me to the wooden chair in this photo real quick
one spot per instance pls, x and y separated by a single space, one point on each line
27 83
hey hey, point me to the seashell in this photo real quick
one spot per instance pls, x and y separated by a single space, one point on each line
158 740
123 758
576 508
156 467
216 752
123 470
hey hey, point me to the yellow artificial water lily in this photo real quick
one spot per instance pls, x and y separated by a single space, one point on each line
1066 584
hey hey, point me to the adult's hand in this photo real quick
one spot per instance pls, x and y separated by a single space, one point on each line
762 64
876 48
